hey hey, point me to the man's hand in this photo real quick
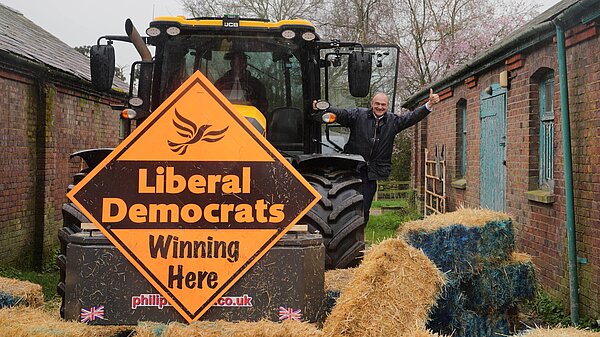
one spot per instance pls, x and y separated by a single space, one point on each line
433 98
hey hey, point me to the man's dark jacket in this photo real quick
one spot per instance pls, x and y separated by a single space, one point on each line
373 138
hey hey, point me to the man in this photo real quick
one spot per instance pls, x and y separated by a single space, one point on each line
239 86
372 133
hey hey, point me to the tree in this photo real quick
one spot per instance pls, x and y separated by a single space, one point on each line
434 36
263 9
85 50
119 70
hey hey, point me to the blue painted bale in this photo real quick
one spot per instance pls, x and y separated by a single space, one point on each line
331 298
475 325
445 316
498 287
8 300
459 249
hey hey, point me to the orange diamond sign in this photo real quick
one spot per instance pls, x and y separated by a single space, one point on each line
194 197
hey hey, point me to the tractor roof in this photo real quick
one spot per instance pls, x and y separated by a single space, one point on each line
234 23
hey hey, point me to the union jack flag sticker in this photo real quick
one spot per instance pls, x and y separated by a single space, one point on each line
290 313
91 314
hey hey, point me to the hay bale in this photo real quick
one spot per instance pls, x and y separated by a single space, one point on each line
445 316
337 279
460 242
8 300
392 292
331 299
13 292
559 332
469 217
498 287
424 333
475 325
222 328
492 290
35 322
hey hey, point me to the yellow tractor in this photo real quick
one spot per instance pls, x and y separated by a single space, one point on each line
272 72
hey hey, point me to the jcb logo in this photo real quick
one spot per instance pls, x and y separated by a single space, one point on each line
231 24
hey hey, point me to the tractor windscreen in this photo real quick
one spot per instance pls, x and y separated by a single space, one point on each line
260 71
264 72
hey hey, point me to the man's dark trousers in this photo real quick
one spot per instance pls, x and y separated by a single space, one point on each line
369 188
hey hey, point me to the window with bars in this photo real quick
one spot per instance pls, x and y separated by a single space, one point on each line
546 152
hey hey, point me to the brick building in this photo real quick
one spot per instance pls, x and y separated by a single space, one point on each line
48 111
501 122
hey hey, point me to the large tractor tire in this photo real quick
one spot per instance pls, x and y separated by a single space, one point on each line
73 218
338 216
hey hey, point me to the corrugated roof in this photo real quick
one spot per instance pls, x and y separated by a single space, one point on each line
22 37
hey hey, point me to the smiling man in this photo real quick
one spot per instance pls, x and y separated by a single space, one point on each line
372 134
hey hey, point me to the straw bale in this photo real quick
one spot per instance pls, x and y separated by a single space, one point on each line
392 292
35 322
228 329
337 279
559 332
13 292
475 325
331 298
469 217
419 332
458 248
445 316
500 286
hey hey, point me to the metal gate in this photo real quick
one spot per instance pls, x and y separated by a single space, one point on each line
435 182
493 149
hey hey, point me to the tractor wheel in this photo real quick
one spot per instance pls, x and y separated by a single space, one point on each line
338 216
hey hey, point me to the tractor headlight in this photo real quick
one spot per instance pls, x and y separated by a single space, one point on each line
288 34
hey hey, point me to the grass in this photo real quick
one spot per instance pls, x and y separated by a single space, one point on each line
47 278
548 311
385 225
403 203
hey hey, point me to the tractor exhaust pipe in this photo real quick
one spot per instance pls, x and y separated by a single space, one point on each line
137 41
146 67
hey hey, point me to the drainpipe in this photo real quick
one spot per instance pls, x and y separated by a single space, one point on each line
568 168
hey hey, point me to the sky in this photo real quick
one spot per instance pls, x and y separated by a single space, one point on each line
82 22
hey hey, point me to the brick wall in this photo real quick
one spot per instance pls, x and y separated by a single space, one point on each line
540 227
74 121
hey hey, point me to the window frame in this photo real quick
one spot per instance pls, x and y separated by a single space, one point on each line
546 132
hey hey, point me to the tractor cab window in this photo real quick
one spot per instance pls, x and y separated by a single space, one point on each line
261 72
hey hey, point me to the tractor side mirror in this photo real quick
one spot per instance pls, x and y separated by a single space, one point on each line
102 66
359 73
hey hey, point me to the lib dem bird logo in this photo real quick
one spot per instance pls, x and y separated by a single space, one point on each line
193 134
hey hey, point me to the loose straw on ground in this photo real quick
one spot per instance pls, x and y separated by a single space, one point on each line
559 332
228 329
35 322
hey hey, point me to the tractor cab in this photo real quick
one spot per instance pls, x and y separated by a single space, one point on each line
272 71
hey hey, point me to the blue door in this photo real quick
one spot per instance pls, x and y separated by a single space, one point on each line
493 149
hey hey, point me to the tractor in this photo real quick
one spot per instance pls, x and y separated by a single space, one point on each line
296 68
